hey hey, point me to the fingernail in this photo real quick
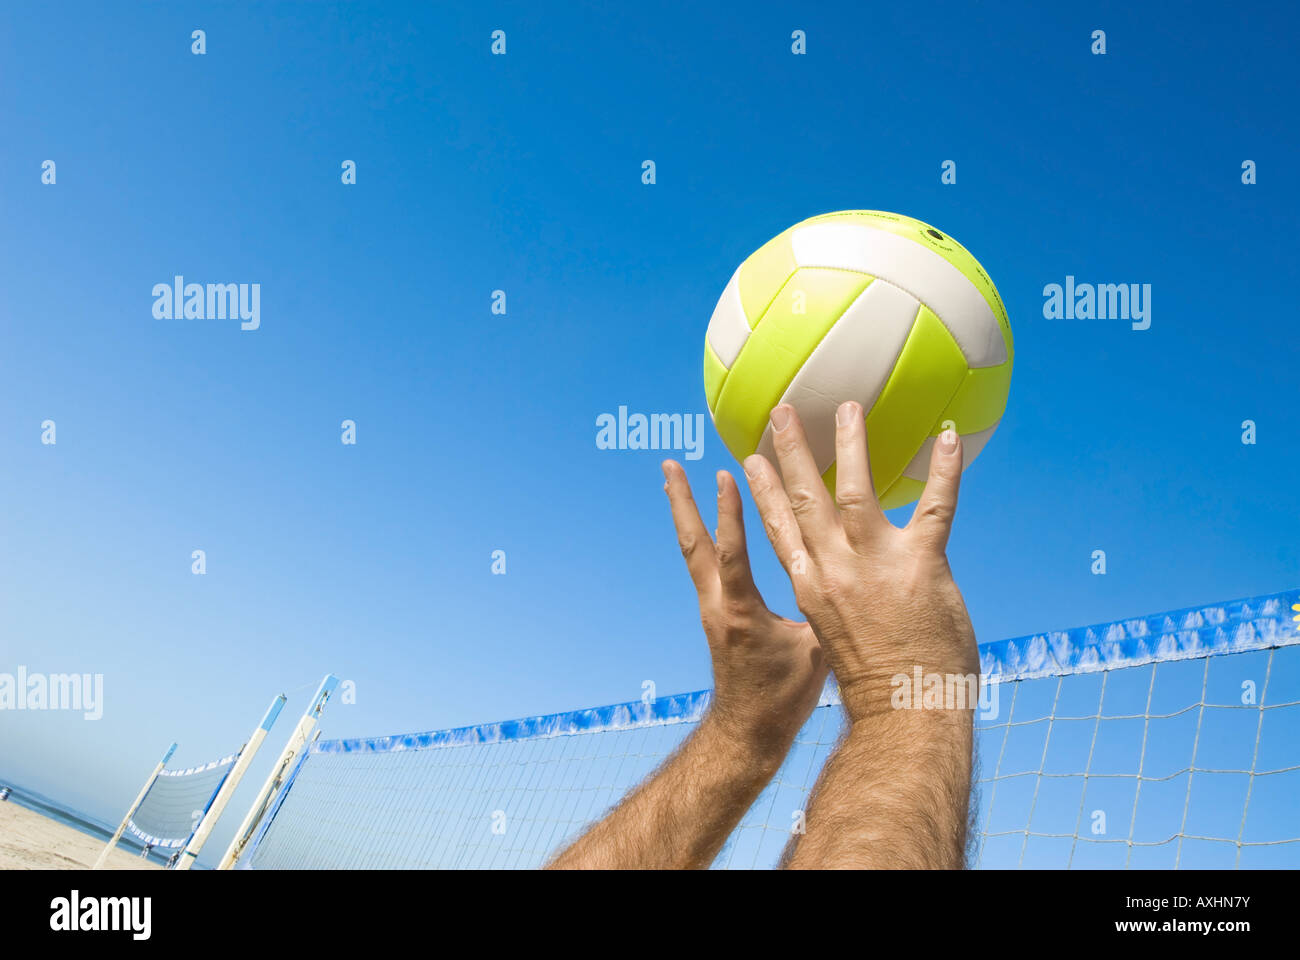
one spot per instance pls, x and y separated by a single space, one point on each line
749 470
846 413
948 441
720 475
780 418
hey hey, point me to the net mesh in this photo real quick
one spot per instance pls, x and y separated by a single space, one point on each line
176 802
1163 741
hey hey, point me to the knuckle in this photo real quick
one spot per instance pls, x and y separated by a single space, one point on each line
802 501
727 555
835 586
851 497
688 543
775 527
936 510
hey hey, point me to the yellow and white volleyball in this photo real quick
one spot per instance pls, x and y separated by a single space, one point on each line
868 306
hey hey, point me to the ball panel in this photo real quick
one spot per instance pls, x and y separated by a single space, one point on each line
764 273
928 373
714 376
902 492
728 328
898 494
796 321
981 399
923 272
971 445
852 362
921 232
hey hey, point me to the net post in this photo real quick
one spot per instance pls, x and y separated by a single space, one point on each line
292 748
103 854
258 830
228 786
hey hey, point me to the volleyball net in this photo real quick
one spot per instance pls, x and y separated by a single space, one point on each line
1171 740
176 803
178 808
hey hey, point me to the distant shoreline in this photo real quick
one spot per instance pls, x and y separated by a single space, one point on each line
36 834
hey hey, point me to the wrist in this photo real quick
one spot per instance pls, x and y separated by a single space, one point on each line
760 747
911 689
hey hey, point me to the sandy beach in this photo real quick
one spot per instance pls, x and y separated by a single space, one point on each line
30 841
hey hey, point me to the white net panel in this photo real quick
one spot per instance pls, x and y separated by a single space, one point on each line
1164 741
176 802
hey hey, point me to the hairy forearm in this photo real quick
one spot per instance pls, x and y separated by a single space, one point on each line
894 794
681 816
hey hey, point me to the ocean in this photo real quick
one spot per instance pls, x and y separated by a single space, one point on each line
84 822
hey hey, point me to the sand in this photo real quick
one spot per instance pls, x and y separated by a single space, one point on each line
30 841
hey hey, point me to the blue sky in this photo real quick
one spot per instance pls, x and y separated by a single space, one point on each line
476 432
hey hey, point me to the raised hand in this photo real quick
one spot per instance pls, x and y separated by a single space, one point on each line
768 671
895 791
881 599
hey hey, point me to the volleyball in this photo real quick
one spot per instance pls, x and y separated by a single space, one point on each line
868 306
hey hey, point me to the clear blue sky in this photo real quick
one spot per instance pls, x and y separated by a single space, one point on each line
476 432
